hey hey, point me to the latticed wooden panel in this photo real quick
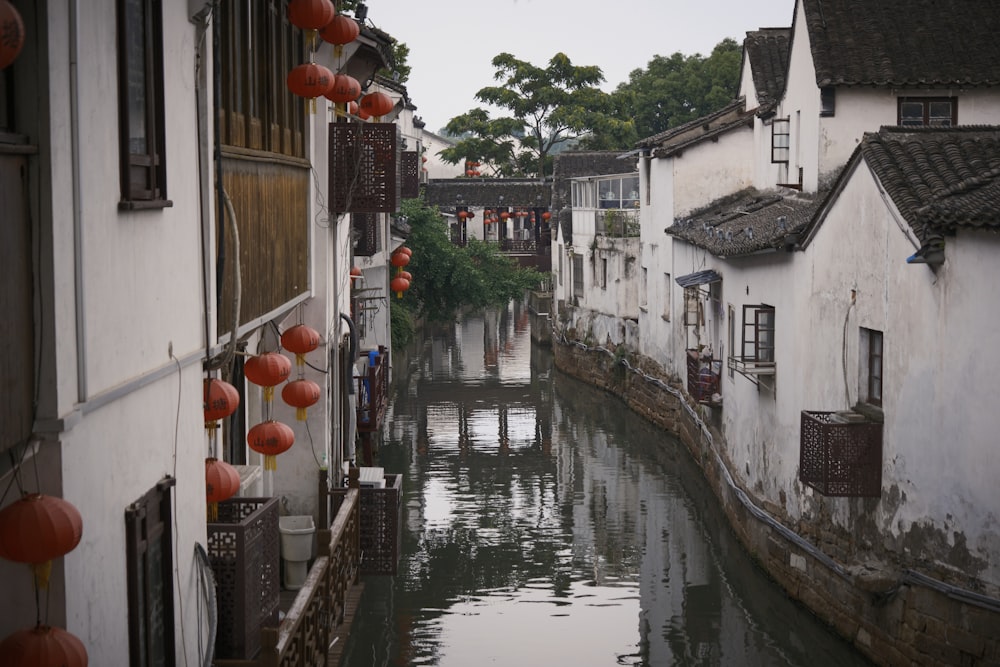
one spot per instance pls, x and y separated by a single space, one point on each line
244 550
840 458
363 167
379 517
409 174
365 227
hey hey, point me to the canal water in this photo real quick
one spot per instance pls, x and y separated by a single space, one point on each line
544 524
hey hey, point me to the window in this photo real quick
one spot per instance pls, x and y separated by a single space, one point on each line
604 273
871 366
618 192
928 111
578 276
827 101
758 333
644 288
143 164
149 554
781 130
693 314
731 313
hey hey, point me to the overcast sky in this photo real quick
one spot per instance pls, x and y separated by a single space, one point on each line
453 41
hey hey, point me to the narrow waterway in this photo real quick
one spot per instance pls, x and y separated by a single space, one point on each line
545 524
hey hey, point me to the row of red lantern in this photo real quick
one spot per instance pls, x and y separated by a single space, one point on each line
399 259
35 530
312 80
466 215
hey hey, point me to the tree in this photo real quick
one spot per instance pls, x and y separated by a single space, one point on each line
672 91
547 106
447 277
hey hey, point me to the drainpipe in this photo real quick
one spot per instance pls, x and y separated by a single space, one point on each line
74 112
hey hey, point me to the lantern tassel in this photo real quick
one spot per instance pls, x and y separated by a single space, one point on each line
300 360
42 572
213 512
270 462
300 414
268 394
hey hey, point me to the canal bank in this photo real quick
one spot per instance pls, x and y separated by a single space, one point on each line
894 615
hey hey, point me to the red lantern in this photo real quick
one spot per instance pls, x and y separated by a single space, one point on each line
220 400
11 33
270 438
546 215
301 340
463 215
471 215
355 273
399 259
469 173
300 394
268 370
406 251
504 215
377 104
310 81
423 158
399 285
222 481
344 89
43 646
406 275
339 31
38 528
310 14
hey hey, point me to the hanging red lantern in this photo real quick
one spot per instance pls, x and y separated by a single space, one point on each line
399 259
406 275
423 158
38 528
504 215
463 215
300 339
310 14
546 215
270 438
220 400
43 646
352 108
222 481
11 33
300 394
344 89
471 215
267 370
399 285
310 81
469 173
339 31
406 251
355 273
377 104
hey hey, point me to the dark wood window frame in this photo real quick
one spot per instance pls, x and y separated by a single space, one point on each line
827 101
142 141
781 128
758 333
873 351
927 118
149 559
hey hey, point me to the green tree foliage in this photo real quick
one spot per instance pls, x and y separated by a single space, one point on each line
400 54
546 105
447 278
672 91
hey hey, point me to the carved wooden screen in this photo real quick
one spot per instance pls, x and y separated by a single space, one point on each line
363 167
409 171
365 229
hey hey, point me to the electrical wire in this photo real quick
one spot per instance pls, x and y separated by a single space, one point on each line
173 498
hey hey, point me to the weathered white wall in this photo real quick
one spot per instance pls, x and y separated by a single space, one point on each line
435 166
712 169
655 311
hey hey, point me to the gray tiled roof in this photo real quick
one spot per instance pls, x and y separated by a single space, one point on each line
940 179
904 42
675 140
487 191
747 222
767 50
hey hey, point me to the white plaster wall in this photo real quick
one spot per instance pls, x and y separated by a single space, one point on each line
656 258
747 88
712 169
435 166
940 426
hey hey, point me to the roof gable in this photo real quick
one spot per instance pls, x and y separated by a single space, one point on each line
767 50
939 179
920 43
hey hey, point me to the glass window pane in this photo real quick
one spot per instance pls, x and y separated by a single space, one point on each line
911 113
135 21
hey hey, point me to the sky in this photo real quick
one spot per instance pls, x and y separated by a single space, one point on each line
453 41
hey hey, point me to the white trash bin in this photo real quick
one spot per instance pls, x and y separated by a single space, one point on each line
298 545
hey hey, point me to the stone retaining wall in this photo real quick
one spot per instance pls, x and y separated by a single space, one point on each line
893 616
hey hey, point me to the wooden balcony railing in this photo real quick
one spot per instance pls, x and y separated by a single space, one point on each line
372 389
317 617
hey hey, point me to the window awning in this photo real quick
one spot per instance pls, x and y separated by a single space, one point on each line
698 278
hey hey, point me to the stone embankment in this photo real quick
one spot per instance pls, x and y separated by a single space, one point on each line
894 616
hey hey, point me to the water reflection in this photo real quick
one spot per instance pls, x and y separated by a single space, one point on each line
544 524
